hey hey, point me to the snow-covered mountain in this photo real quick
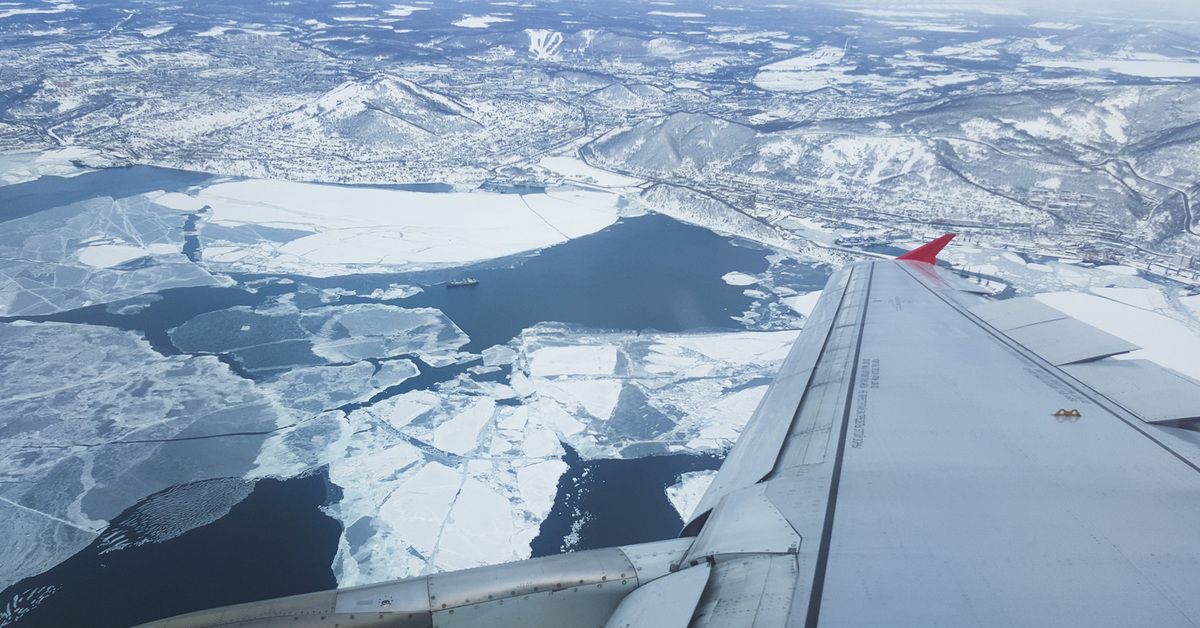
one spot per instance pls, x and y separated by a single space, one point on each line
675 143
384 109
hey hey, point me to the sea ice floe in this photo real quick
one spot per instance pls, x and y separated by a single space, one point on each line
312 390
95 251
538 484
357 332
461 434
279 336
177 201
134 305
417 510
394 291
739 279
95 420
481 528
595 397
685 495
325 230
688 390
803 304
27 166
573 360
499 354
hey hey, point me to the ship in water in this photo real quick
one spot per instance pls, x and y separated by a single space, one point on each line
465 281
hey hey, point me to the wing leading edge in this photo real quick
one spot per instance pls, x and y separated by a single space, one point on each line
910 465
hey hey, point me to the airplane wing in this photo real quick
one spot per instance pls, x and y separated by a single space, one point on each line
926 456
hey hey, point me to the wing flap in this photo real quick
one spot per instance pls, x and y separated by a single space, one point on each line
745 522
668 602
748 591
1069 340
1154 393
1013 313
1052 335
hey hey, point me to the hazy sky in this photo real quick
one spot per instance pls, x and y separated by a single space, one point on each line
1135 9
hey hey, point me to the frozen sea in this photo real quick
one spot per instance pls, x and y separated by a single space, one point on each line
256 420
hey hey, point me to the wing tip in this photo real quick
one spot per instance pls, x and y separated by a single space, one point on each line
928 252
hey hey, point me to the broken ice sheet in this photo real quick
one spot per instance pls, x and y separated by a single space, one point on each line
638 394
430 481
312 390
356 332
465 475
279 336
95 251
94 420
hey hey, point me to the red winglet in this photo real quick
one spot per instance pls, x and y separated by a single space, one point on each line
928 252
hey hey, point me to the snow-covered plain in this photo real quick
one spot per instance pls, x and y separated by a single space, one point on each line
577 170
1156 66
827 67
480 21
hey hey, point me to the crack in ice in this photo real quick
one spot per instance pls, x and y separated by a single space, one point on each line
50 516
